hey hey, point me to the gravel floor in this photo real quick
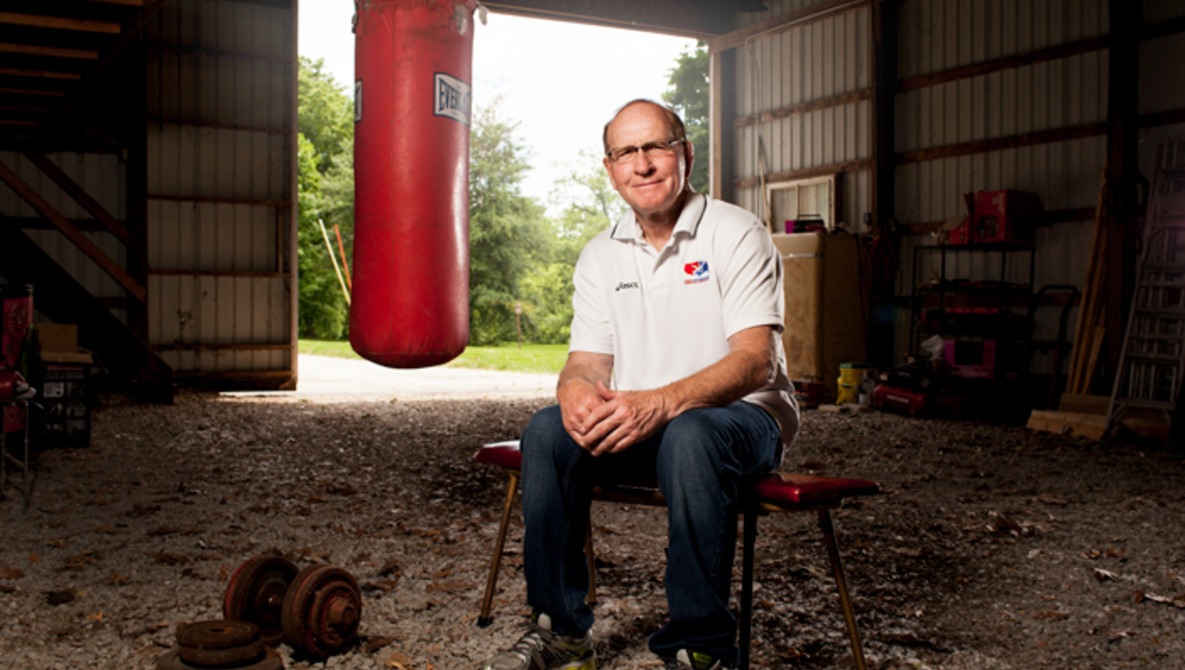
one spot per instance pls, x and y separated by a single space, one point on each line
991 547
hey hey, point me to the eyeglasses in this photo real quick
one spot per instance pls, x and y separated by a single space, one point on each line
659 149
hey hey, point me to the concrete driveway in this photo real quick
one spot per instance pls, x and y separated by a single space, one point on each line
328 379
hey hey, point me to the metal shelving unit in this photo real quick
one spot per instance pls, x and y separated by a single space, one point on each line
985 312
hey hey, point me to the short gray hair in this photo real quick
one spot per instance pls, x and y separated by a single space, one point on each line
674 123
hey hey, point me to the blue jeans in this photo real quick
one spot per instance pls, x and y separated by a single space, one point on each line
700 460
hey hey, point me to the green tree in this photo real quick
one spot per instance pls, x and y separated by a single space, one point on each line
589 205
592 205
507 230
325 113
325 184
688 94
322 308
547 303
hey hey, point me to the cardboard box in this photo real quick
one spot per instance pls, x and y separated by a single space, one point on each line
59 344
824 313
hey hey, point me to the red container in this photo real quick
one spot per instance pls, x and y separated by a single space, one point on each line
960 234
894 398
1003 216
810 394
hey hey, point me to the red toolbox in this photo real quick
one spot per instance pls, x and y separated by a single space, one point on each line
894 398
998 217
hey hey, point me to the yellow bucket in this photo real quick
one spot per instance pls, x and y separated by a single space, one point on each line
850 376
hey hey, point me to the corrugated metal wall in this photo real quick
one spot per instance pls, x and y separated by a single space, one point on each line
1160 87
221 160
783 78
939 35
939 118
102 176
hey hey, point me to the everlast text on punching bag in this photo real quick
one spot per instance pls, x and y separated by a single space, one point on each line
410 299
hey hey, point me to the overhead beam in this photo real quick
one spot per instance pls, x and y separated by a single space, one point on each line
26 108
700 19
48 52
39 92
130 31
59 23
39 74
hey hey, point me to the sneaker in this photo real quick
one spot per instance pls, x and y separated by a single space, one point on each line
18 388
693 660
541 649
21 389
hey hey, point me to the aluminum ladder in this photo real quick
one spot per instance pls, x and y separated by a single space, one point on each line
1153 357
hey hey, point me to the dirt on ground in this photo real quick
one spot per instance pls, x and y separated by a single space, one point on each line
990 547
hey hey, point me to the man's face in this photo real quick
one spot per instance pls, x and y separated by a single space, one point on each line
649 184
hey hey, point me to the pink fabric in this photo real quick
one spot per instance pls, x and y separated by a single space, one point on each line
7 385
15 318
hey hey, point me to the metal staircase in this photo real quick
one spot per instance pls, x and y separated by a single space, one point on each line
1152 363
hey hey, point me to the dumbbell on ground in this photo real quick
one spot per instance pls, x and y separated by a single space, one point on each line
316 610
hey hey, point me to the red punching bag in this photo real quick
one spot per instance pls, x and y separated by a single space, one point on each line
410 298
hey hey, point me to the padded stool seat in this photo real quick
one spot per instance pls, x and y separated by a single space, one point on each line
776 492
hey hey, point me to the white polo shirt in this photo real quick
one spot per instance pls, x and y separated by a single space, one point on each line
665 315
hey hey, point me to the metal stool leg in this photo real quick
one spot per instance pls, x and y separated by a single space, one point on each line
745 624
842 586
484 619
26 485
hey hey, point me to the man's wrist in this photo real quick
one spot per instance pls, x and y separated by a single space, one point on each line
572 380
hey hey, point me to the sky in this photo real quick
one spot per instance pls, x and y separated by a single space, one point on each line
560 81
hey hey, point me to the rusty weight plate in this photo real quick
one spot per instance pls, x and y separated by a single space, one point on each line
216 634
322 611
171 660
255 593
230 657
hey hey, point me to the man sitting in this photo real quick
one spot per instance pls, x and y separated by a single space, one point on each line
675 375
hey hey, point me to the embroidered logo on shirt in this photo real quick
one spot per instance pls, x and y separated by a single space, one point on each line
626 284
696 272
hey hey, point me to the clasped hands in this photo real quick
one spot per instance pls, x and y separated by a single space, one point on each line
604 421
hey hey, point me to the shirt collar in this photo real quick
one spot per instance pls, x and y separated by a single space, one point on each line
627 227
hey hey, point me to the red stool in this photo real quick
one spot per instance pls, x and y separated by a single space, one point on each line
778 492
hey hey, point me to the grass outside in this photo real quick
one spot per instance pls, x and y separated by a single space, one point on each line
538 358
